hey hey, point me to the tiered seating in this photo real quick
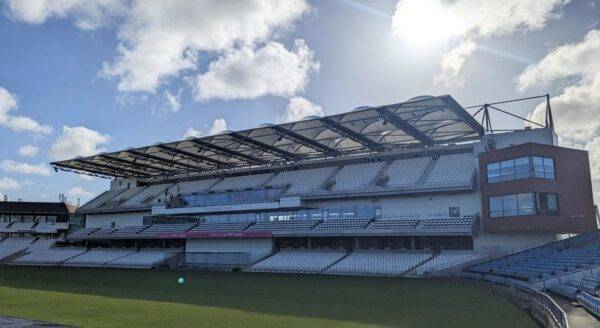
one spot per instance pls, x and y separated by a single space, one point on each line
406 172
145 195
283 225
13 245
48 227
242 182
102 233
50 256
295 260
17 241
544 261
4 226
461 166
222 226
19 226
393 223
447 259
99 257
357 176
83 233
449 224
302 181
190 187
100 200
379 262
343 224
590 302
155 229
121 198
43 243
127 232
143 259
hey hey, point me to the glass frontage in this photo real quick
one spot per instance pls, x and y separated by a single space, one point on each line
521 168
523 204
234 197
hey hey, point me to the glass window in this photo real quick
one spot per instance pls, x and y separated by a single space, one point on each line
526 204
493 172
547 203
510 205
538 167
507 170
548 168
522 168
496 209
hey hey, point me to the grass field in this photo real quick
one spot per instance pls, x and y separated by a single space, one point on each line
114 298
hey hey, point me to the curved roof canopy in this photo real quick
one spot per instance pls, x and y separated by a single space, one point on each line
415 123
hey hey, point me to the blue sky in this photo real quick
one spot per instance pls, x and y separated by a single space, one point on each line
98 75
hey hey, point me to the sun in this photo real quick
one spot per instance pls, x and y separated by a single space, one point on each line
425 21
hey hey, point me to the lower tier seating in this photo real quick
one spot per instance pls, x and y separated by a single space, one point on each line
144 259
589 302
283 225
447 259
379 262
49 256
295 260
99 257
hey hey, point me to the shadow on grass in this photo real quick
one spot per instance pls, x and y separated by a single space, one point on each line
381 301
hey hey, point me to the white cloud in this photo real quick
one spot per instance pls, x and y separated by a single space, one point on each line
453 62
246 73
469 20
28 150
88 14
160 39
8 103
11 166
79 192
298 108
173 100
219 125
8 184
577 109
77 141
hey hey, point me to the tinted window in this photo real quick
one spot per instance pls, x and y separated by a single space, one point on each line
522 168
510 205
496 208
493 172
538 167
526 204
507 170
549 168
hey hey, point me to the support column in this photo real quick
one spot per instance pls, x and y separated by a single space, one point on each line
412 243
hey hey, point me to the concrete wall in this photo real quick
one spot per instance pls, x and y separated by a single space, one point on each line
505 241
120 219
256 246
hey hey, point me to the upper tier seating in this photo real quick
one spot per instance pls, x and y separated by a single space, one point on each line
190 187
49 227
283 225
99 257
302 181
17 241
406 172
450 224
148 194
4 226
155 229
452 169
49 256
144 259
357 176
343 224
294 260
379 262
394 223
242 182
98 201
447 259
19 226
82 233
222 226
103 233
127 232
121 198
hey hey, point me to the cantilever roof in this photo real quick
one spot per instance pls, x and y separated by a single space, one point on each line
420 122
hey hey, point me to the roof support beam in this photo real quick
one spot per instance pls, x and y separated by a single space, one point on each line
263 146
135 165
405 126
199 158
283 132
163 161
348 133
88 171
226 152
113 169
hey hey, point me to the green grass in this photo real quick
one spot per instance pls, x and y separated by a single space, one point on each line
115 298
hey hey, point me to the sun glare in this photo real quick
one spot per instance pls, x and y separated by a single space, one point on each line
425 22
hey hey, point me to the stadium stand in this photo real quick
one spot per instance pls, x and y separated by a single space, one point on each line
356 176
189 187
146 195
144 259
379 262
49 256
299 261
156 229
224 226
302 181
343 224
446 259
283 225
242 182
406 172
462 167
98 257
589 302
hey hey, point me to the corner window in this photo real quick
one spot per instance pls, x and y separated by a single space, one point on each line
521 168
